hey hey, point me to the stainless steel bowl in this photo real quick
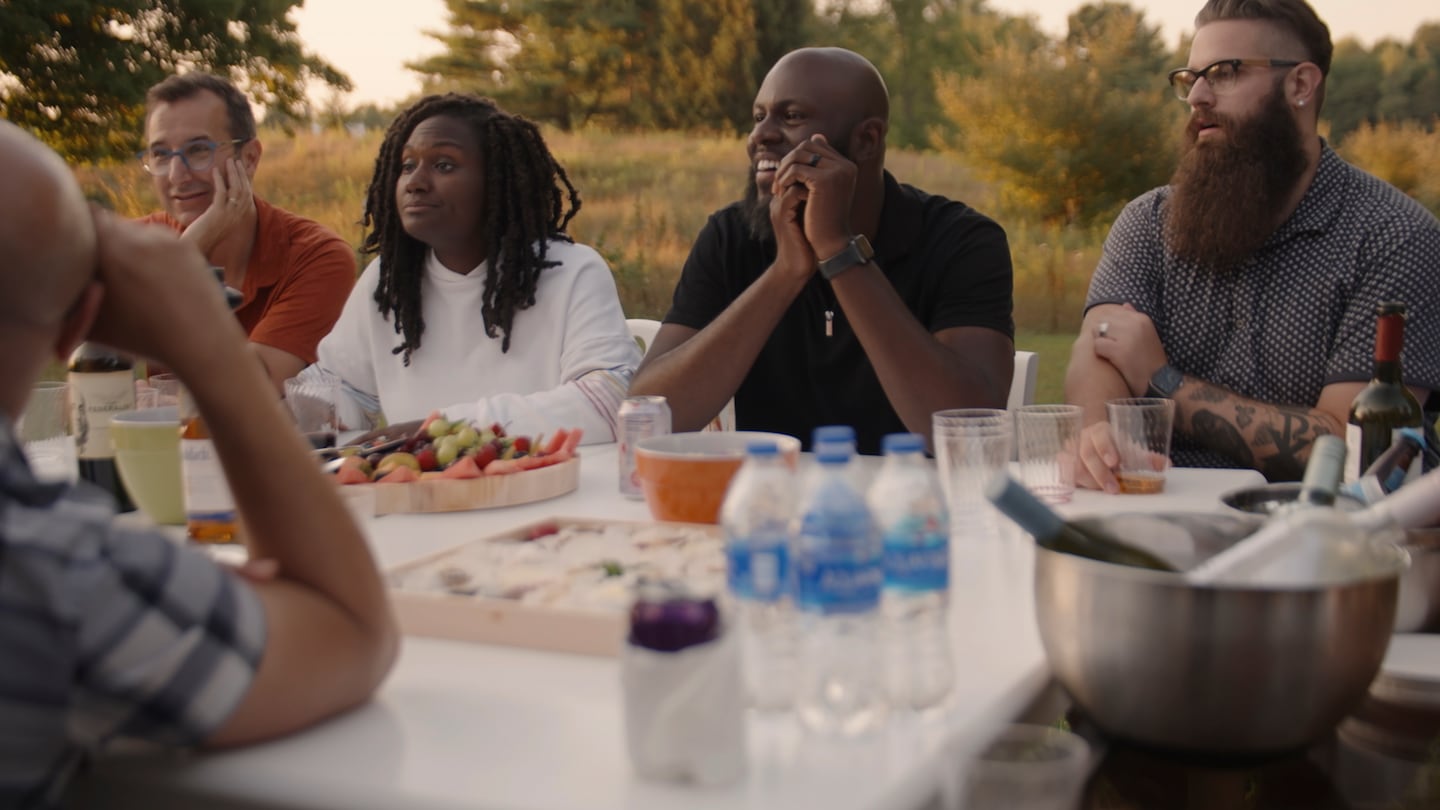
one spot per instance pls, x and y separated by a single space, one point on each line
1238 671
1264 500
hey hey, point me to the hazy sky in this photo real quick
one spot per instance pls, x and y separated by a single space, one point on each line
370 40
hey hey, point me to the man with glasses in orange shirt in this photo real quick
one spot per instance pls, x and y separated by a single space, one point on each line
1246 289
294 274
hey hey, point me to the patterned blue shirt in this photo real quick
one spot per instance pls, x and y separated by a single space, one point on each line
105 632
1297 315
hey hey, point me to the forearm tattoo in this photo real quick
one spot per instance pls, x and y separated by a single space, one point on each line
1274 439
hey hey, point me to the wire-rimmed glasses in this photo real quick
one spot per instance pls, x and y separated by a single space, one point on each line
197 155
1220 75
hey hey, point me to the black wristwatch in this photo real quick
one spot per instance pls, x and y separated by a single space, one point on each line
1165 382
857 252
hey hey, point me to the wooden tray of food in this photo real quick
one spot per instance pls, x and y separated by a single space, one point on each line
562 584
486 492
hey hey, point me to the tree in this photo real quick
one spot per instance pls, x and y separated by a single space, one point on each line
666 64
80 68
1070 131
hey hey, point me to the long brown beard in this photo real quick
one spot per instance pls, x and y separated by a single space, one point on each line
1225 196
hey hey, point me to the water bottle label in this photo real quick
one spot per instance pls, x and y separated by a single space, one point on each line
839 585
758 572
917 563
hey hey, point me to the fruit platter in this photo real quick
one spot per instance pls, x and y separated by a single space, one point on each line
562 584
456 466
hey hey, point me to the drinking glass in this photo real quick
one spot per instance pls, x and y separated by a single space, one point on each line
167 390
1026 767
1047 436
972 447
1141 427
312 397
44 433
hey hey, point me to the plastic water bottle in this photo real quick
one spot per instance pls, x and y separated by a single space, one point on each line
756 517
835 434
909 510
839 574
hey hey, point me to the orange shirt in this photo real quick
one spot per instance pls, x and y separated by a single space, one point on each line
296 283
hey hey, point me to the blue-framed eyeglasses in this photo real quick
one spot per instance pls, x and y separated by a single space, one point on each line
197 155
1220 75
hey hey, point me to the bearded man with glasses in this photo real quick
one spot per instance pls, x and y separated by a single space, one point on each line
294 274
1246 289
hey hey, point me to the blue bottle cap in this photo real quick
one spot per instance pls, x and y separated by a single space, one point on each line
903 443
762 447
832 433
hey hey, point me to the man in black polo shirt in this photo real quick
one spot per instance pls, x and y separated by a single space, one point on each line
785 305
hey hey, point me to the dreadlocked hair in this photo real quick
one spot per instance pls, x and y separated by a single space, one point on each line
524 210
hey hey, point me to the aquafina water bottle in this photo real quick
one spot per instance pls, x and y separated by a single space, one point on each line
909 510
756 518
839 575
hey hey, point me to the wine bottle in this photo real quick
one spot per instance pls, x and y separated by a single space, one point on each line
102 383
1322 473
210 515
1385 405
1052 532
1391 468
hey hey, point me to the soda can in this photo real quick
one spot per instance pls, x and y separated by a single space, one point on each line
640 418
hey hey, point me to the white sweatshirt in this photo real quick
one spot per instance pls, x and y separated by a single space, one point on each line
570 360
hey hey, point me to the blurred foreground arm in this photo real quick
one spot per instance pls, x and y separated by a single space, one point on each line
331 638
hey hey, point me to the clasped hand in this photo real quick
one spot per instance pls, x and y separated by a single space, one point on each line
810 204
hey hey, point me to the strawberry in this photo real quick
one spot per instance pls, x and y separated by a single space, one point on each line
497 428
522 445
485 455
427 459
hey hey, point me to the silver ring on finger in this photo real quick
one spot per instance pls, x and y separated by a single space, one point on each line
1103 330
815 160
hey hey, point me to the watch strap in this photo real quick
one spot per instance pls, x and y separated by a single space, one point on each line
857 252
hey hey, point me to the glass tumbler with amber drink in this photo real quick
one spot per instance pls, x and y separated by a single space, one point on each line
1141 428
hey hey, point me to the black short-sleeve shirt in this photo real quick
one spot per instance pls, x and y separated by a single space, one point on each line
948 263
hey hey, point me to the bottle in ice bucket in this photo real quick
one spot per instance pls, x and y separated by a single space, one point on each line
684 699
756 518
839 574
909 511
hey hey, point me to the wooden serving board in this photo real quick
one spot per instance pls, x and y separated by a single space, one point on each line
486 492
510 622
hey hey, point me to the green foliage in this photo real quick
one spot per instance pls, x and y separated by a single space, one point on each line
1391 82
82 67
1070 131
653 64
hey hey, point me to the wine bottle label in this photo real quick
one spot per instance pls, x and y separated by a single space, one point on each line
207 494
759 568
1354 443
94 399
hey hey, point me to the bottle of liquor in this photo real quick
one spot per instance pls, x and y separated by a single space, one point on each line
102 383
1052 532
1385 405
210 515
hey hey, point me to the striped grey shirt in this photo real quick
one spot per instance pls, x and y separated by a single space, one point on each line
104 633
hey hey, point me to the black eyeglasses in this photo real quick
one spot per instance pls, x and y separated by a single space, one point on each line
1220 75
197 155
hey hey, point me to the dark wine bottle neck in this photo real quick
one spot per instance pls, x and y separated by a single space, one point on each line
1387 371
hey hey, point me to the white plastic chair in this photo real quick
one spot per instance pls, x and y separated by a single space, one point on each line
643 330
1022 385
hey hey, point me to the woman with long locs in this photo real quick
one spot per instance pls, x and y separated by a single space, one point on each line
477 303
